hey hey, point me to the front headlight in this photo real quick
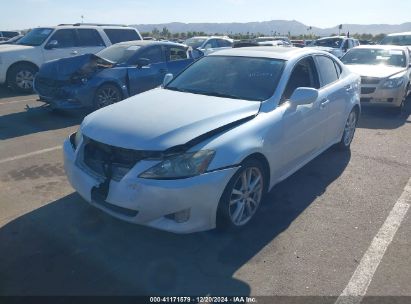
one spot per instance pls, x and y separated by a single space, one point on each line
180 166
393 83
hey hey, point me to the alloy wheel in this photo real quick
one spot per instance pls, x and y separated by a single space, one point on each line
246 196
349 129
107 96
24 79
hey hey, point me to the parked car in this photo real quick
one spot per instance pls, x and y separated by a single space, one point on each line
21 61
115 73
286 40
7 35
298 43
384 71
204 45
13 40
401 39
336 45
202 151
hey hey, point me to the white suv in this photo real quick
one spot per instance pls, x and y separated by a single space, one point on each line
20 62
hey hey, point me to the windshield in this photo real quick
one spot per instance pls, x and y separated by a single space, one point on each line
375 57
329 42
35 37
195 42
231 77
403 40
118 53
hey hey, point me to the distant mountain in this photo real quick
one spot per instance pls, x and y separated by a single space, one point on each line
275 26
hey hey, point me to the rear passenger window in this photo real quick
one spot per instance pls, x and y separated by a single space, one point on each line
304 74
65 38
224 43
328 72
120 35
89 37
154 53
177 53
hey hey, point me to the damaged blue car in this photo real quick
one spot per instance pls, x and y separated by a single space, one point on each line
115 73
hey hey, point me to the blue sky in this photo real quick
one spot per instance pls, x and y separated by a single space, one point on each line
21 14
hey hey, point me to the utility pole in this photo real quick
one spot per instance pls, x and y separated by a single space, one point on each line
82 18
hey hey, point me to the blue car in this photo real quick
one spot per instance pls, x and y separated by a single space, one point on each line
115 73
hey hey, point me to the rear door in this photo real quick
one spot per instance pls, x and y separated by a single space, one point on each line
177 59
89 41
151 76
334 96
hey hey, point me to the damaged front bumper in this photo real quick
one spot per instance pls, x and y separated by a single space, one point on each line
179 206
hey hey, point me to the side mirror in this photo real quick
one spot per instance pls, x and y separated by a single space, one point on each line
51 45
142 62
167 78
303 96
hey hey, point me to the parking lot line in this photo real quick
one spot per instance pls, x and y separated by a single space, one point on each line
17 101
9 159
362 277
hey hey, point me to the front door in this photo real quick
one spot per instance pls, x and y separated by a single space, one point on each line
303 125
148 77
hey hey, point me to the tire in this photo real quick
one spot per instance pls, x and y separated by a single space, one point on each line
349 131
21 76
105 95
238 205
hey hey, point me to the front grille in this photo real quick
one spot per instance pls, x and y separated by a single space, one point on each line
370 80
98 157
48 87
367 90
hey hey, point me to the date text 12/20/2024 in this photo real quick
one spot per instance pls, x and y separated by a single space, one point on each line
205 299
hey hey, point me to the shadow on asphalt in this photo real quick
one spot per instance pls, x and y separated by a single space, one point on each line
6 92
39 120
384 118
68 247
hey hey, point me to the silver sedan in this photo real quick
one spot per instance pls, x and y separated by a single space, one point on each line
202 151
384 71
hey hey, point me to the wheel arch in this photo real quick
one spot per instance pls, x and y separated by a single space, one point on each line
261 158
19 63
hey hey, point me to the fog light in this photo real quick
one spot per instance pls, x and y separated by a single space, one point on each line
180 217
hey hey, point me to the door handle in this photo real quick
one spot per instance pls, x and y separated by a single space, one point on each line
162 71
324 103
74 53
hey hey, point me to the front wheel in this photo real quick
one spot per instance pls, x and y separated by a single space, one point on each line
106 95
242 196
21 77
349 130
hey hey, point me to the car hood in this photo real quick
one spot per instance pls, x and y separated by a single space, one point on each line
5 48
161 119
65 68
378 71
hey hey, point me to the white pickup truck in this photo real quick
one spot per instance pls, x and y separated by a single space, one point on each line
20 62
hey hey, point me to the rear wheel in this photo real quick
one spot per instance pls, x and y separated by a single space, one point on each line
242 196
106 95
349 130
21 77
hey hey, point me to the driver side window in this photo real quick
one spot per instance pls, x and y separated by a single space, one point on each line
304 74
65 38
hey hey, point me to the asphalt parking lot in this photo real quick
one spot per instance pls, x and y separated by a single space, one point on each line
310 237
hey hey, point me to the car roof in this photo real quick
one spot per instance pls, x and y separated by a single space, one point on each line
382 47
148 42
333 37
284 53
86 26
400 34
